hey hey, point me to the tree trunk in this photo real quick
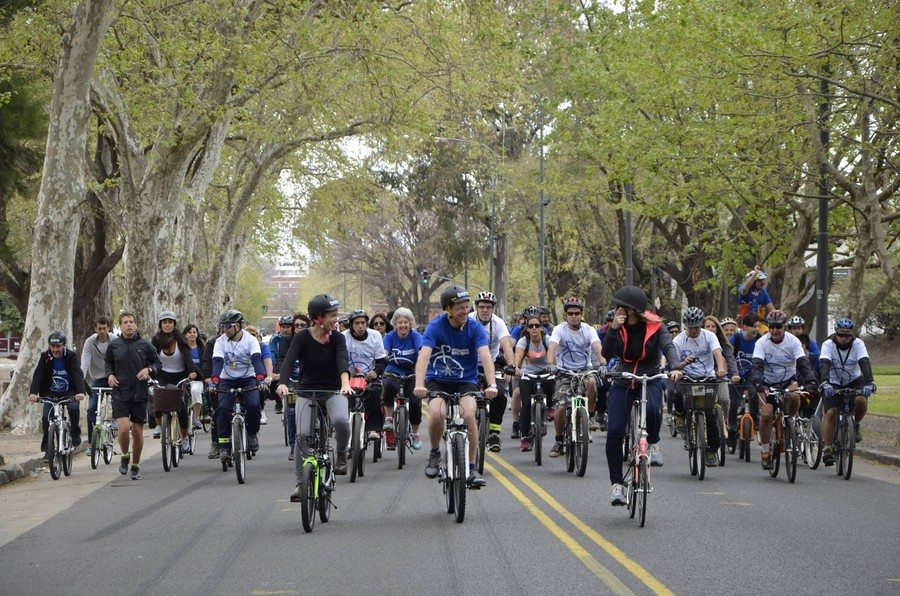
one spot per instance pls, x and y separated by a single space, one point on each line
501 258
62 189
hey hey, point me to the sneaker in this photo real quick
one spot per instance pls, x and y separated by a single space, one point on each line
388 424
551 413
858 434
291 455
679 424
525 445
254 443
197 424
136 473
516 433
434 461
493 442
603 422
592 425
712 459
340 466
475 480
123 464
279 411
262 418
213 452
88 452
766 459
617 497
417 441
373 436
556 450
46 459
828 456
76 441
391 439
157 432
656 457
185 446
295 496
114 425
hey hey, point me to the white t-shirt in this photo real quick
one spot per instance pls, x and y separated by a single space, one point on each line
780 359
574 351
496 330
237 355
701 348
844 363
363 354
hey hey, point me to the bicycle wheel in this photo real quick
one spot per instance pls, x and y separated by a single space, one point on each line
631 488
287 442
324 499
308 496
775 449
95 448
401 436
690 440
671 422
175 436
790 452
723 442
582 440
459 476
537 421
356 455
746 437
481 421
55 461
813 445
166 441
449 492
643 490
849 447
237 450
700 422
628 443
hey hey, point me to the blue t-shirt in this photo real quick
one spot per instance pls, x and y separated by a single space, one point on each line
264 351
743 353
402 353
757 299
60 383
454 356
195 355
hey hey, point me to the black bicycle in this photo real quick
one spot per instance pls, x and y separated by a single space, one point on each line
538 412
317 471
700 396
240 448
402 426
845 432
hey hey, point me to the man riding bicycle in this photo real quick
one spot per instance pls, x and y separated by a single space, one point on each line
845 364
778 361
498 339
452 346
368 358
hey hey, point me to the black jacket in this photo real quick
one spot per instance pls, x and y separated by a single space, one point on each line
206 358
43 374
124 359
655 341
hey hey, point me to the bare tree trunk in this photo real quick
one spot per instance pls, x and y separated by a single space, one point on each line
501 251
62 189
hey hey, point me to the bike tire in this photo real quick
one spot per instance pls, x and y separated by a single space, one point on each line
356 457
308 496
237 450
723 442
482 422
165 441
175 431
691 440
401 436
643 491
284 426
108 448
775 451
537 439
746 437
700 421
323 500
628 442
449 493
790 452
582 442
631 490
672 430
95 449
54 460
813 448
460 477
850 447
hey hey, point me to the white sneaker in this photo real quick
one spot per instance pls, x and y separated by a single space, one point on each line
618 495
656 458
262 418
157 432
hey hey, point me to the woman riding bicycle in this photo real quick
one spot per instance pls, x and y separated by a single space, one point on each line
177 365
402 346
531 359
636 338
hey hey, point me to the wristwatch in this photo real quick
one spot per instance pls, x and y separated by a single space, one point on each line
492 386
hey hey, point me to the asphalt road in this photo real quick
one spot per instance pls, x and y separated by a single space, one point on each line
531 530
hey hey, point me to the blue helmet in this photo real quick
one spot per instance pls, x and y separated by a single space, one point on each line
844 325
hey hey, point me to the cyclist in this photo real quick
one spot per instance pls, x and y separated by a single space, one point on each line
727 397
58 375
402 346
500 345
365 349
268 360
778 361
729 327
237 362
845 364
130 362
300 323
674 328
635 339
322 350
452 346
176 365
796 325
93 367
571 345
531 359
380 323
700 356
280 341
197 345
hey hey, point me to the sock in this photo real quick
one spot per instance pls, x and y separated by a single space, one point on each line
471 467
126 456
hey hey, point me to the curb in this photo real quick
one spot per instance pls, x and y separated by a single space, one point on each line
881 457
20 469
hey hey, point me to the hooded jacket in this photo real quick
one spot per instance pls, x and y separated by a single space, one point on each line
124 359
654 340
43 374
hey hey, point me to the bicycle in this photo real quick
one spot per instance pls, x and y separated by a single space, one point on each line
402 426
637 459
576 435
103 437
721 414
169 400
240 449
538 412
746 424
809 439
317 471
784 436
700 396
454 468
483 417
289 400
845 432
358 441
60 450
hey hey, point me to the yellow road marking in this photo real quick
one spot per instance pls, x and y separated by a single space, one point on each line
656 586
604 574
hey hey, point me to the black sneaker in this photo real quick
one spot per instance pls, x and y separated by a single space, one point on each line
475 480
766 462
516 433
254 443
123 464
493 442
434 462
296 496
828 456
601 417
858 434
136 473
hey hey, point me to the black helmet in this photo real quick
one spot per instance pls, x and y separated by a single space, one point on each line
167 314
286 321
321 304
231 317
531 312
631 297
692 317
544 310
357 314
454 294
57 338
610 315
671 324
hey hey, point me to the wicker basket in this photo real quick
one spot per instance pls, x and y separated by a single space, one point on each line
699 396
166 399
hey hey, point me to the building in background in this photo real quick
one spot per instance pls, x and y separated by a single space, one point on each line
284 280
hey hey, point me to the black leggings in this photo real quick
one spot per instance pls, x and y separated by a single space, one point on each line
498 405
712 426
392 388
526 388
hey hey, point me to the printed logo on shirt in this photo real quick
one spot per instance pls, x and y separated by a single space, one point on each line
445 366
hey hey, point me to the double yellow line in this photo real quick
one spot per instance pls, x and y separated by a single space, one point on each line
597 568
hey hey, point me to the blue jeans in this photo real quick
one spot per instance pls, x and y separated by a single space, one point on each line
226 409
93 401
618 409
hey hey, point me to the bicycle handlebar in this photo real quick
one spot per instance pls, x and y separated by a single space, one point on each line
55 400
538 376
640 378
456 396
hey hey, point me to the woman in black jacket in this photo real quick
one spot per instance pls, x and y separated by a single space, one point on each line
177 364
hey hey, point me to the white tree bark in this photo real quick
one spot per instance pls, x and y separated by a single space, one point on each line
62 189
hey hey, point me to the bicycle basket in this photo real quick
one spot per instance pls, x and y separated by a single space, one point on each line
699 396
167 399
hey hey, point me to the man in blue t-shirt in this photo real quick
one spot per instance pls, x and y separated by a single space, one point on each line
744 342
753 297
452 347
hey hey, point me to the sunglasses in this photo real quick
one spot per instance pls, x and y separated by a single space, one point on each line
534 326
843 335
572 313
776 326
227 325
300 326
379 324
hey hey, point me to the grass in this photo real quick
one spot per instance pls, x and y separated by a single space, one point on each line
887 400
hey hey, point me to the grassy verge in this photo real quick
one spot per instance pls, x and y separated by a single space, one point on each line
887 400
